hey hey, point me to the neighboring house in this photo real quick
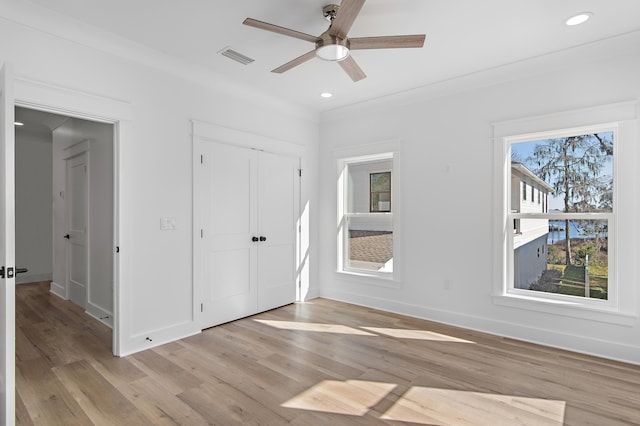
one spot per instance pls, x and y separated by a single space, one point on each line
529 194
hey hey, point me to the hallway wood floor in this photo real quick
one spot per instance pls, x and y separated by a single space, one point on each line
317 363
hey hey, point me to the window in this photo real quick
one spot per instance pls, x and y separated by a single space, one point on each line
366 216
380 192
586 175
576 171
524 190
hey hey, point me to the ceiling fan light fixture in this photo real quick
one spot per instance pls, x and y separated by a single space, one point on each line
332 52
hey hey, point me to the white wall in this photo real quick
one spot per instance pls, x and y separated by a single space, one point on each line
155 159
33 206
101 246
447 211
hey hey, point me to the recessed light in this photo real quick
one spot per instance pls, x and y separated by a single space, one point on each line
17 123
578 19
326 95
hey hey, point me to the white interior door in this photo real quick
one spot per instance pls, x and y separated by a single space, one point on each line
7 250
246 205
277 212
226 255
77 216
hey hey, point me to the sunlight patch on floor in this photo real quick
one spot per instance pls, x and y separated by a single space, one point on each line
416 334
444 406
351 397
308 326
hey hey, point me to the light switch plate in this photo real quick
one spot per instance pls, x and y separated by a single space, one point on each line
168 223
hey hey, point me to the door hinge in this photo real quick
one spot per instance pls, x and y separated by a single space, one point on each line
201 159
117 249
202 307
300 172
202 233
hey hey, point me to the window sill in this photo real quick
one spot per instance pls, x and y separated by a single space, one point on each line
370 279
565 308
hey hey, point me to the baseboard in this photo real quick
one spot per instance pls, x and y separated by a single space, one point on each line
581 344
100 314
33 278
58 290
158 337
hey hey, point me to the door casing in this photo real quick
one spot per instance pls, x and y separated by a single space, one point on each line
88 106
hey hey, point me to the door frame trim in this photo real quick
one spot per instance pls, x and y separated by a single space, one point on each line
202 132
70 102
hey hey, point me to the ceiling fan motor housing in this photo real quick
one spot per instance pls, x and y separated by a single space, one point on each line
332 48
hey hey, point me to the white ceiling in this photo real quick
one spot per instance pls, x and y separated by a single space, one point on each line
463 37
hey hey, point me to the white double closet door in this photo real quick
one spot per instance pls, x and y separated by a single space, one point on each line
246 208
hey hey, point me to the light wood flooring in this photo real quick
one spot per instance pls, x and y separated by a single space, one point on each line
317 363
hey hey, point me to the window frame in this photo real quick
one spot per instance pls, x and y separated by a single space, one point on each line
360 154
610 217
620 308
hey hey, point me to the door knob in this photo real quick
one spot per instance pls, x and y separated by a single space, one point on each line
263 238
255 239
66 237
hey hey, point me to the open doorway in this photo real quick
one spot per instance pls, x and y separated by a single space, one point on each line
65 208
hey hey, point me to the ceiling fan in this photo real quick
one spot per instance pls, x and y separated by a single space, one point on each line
333 44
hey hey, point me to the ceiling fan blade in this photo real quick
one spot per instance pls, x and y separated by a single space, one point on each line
294 63
347 14
352 68
387 42
280 30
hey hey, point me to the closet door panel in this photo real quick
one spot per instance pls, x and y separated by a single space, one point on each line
227 261
278 205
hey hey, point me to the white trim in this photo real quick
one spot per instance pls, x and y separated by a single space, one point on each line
202 133
217 133
100 314
77 149
95 107
524 332
343 157
564 122
59 290
574 309
612 117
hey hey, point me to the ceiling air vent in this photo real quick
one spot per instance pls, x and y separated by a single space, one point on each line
238 57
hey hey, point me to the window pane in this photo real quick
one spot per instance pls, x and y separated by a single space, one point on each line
381 182
571 257
576 172
380 201
370 244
